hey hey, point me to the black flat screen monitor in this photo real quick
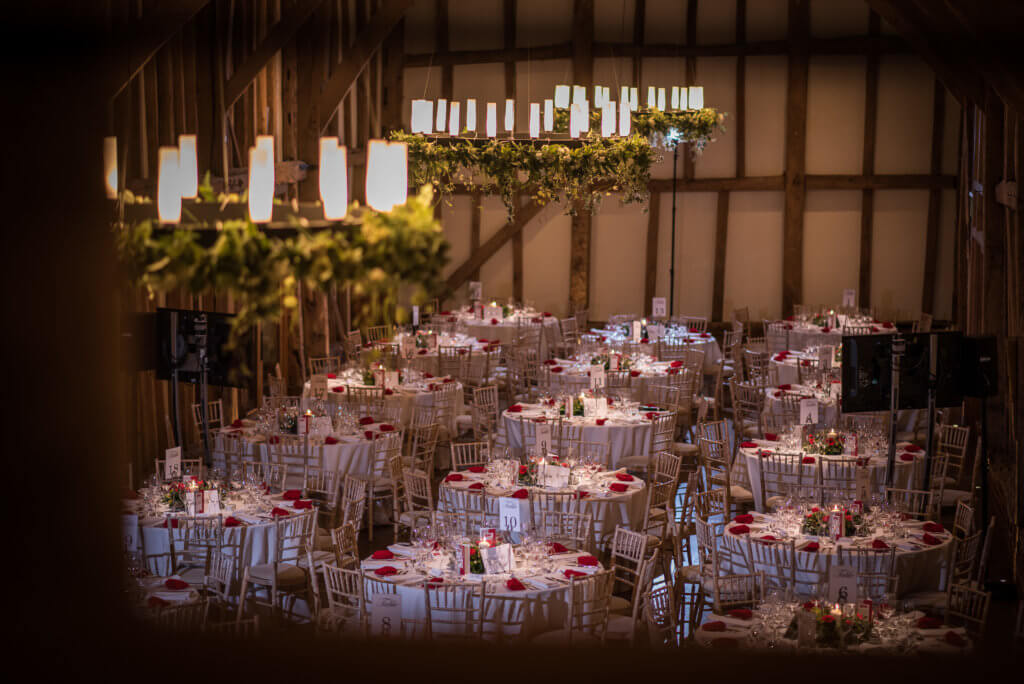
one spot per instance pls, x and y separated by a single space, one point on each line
190 331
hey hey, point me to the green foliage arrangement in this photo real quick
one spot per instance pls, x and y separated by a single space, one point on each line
379 254
582 171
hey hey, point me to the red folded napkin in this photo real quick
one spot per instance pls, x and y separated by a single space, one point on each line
785 386
930 540
421 352
777 393
547 314
645 341
745 518
550 362
521 494
300 505
779 357
906 457
811 546
826 329
331 376
367 420
600 421
368 434
748 445
933 527
739 529
767 538
514 585
340 388
292 495
716 626
588 561
382 554
888 324
672 371
237 423
477 469
476 485
386 571
231 521
482 340
388 392
954 639
771 437
176 584
623 477
277 512
569 574
174 523
705 334
582 494
555 547
634 374
428 375
454 477
651 415
494 321
447 380
879 544
515 408
330 440
929 622
618 487
386 427
912 448
157 602
556 369
676 364
741 613
808 459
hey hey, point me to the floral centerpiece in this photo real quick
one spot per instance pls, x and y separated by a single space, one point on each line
288 422
833 630
820 320
476 562
506 311
605 360
527 474
174 494
816 523
826 444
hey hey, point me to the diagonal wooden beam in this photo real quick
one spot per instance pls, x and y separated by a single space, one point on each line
371 37
151 34
279 35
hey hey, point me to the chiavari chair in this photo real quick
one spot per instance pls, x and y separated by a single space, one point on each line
466 455
346 611
876 570
661 613
419 500
380 485
321 365
454 612
623 626
282 577
214 417
423 446
914 503
968 606
570 528
738 591
588 612
185 618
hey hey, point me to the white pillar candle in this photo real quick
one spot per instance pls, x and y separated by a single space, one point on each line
575 112
696 97
598 96
549 115
471 115
492 119
510 115
534 119
442 115
453 119
422 120
682 97
624 95
584 115
387 183
168 186
110 166
562 96
333 178
188 166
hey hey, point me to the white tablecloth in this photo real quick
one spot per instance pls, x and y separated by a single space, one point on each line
407 396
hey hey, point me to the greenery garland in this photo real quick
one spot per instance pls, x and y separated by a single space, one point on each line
381 255
547 171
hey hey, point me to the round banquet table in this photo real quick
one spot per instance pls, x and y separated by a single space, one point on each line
626 435
919 566
504 331
542 606
907 462
608 508
614 339
573 376
828 405
804 335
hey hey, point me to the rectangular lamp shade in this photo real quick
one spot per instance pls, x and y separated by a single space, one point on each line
549 115
661 99
110 166
453 119
598 96
584 115
188 166
333 178
422 117
261 179
442 115
674 98
634 99
562 96
652 98
534 119
625 119
575 123
492 119
387 174
579 93
608 119
624 95
510 115
696 97
168 186
470 115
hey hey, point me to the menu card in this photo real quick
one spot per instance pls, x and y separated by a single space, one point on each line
211 502
497 559
849 298
613 362
658 308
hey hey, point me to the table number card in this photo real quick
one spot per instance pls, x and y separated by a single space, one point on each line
415 315
807 629
825 357
391 380
598 379
497 559
543 442
211 502
318 386
193 504
863 484
637 329
408 346
842 584
378 377
554 476
849 298
658 308
512 513
840 321
476 290
172 463
386 615
808 411
130 532
492 312
613 362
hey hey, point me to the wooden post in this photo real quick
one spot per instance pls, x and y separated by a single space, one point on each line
476 206
651 273
639 21
867 202
721 241
509 13
580 240
931 251
796 145
691 76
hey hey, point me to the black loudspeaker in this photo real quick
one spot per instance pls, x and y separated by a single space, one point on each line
979 371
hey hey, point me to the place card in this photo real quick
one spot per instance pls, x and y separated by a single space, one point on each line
172 463
543 442
862 476
598 379
493 312
658 307
554 476
211 502
476 290
613 362
590 405
512 513
391 380
849 298
386 615
318 386
130 532
842 584
497 559
408 346
637 332
193 504
809 411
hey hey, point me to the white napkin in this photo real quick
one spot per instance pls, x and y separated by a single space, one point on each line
371 564
732 621
540 582
402 549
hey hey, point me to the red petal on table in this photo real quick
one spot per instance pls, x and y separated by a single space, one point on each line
421 352
826 329
582 494
428 375
767 538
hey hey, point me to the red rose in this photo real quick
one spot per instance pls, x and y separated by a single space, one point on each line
494 321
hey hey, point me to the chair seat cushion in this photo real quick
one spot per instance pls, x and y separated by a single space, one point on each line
318 558
774 501
684 448
950 497
287 574
464 422
620 606
931 600
739 494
